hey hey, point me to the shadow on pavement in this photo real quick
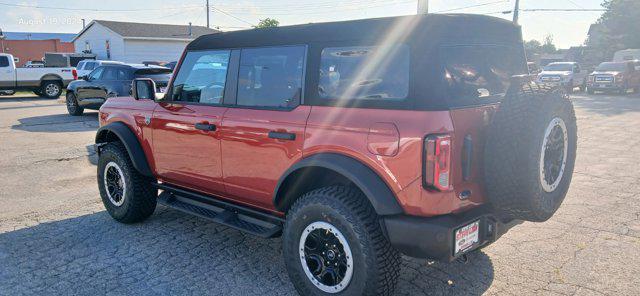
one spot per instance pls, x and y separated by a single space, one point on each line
58 123
172 253
608 105
24 99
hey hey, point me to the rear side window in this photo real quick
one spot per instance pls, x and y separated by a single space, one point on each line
110 73
379 73
201 78
477 74
4 62
89 66
271 77
80 65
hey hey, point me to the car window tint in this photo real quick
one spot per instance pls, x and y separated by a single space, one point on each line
476 73
271 77
90 66
365 73
202 77
110 73
4 62
96 74
124 74
80 65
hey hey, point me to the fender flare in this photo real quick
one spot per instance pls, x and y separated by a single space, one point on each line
374 188
130 142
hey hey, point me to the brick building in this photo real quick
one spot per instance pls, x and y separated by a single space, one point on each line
34 50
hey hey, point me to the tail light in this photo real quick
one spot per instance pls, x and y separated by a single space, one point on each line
437 162
75 74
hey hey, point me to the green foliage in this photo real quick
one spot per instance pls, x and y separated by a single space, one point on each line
534 47
268 23
618 28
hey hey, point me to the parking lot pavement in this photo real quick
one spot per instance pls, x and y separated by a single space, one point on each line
55 237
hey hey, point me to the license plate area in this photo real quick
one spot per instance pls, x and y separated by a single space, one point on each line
466 238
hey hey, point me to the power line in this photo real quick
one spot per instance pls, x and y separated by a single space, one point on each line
231 15
93 9
472 6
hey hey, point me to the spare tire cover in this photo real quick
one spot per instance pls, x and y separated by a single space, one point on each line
530 153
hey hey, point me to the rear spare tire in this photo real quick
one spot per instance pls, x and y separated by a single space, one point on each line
530 153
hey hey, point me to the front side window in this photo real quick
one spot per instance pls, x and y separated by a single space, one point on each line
475 73
271 77
202 77
379 73
4 62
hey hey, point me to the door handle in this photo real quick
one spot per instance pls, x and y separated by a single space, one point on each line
282 136
206 127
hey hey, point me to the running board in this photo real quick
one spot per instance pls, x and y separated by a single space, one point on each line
210 208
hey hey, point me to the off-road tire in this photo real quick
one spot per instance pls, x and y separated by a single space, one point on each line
376 263
140 198
513 153
51 83
72 105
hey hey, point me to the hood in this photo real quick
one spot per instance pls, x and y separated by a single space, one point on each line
560 73
614 73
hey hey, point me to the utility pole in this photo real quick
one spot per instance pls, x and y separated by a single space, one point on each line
423 6
84 23
208 14
516 12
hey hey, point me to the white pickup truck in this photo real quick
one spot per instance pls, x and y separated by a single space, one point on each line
44 81
566 74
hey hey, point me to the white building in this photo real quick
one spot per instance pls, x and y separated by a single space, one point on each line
136 42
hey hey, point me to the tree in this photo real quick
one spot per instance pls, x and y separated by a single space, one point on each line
548 46
618 28
268 23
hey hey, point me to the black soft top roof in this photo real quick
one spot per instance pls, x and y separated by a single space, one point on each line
436 29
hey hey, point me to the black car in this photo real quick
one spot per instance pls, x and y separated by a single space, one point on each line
107 81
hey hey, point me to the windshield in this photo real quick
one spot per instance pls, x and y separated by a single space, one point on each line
618 67
558 67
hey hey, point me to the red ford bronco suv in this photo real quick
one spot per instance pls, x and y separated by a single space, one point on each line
355 141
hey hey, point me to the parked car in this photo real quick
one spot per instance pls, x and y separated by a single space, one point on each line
110 80
7 92
171 65
87 66
566 74
355 141
34 64
614 77
48 81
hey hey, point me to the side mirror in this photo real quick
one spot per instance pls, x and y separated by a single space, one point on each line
143 88
85 77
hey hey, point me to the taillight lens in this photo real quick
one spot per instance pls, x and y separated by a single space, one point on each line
75 74
437 162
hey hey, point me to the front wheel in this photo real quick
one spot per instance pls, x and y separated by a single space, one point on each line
72 105
333 243
51 89
127 195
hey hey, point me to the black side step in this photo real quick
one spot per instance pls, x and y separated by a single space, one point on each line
235 216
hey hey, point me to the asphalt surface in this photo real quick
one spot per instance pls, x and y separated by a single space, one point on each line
56 238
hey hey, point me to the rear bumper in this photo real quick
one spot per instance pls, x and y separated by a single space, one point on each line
434 238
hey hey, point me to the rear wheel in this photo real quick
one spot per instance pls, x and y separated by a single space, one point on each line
72 105
333 243
127 195
51 89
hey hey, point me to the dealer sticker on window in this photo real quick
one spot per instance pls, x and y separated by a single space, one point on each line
467 237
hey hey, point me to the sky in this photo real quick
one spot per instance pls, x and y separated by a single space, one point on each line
567 28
